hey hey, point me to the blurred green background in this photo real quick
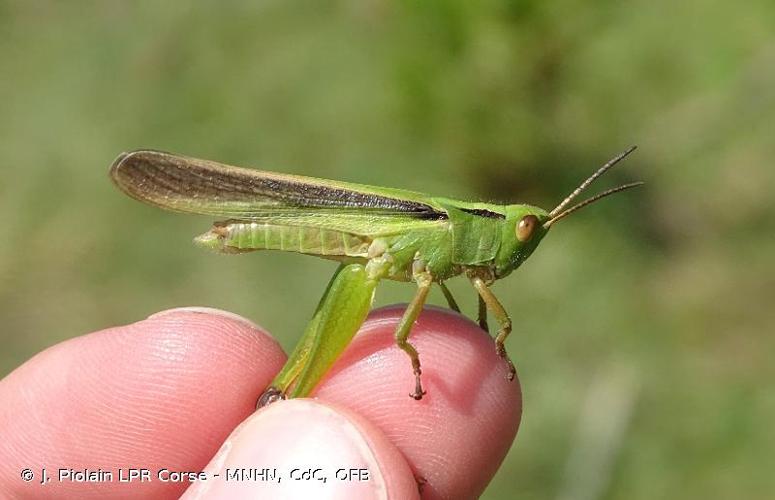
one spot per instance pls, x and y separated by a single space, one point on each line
644 325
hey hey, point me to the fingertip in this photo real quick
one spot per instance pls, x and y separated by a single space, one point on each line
312 450
459 433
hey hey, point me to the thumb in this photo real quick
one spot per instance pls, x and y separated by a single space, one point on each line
306 449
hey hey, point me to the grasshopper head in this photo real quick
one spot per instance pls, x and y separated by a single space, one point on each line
523 230
526 225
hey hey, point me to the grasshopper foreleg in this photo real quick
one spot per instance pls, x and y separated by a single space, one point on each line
491 302
424 280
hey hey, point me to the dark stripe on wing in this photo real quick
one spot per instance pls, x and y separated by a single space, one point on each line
482 212
168 176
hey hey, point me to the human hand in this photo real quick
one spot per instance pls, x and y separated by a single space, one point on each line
167 392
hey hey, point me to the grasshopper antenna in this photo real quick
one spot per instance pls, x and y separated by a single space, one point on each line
610 163
593 199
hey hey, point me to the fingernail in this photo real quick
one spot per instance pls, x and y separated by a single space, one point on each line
211 311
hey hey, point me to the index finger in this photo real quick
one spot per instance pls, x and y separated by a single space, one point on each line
159 394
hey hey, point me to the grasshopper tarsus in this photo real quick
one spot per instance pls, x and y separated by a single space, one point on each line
417 396
270 395
501 350
421 482
418 391
512 373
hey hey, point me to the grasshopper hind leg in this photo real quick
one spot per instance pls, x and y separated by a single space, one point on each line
270 395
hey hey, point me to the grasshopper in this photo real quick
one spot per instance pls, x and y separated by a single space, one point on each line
375 233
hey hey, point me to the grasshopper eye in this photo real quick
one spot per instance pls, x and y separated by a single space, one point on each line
526 227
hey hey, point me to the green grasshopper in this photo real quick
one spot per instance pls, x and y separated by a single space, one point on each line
375 233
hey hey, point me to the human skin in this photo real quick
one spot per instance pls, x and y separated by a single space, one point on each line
168 392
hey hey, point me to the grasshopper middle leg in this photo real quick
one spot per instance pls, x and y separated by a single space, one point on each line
450 298
482 316
502 316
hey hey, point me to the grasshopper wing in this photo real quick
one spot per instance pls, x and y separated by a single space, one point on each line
196 186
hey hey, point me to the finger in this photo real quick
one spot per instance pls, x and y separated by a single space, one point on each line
161 393
458 434
307 449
